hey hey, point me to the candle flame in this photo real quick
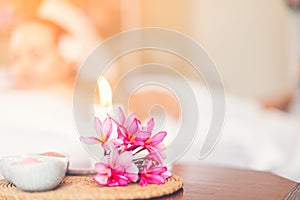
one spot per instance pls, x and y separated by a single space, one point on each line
105 92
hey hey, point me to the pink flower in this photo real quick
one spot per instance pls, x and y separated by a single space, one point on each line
153 143
104 131
150 125
157 156
131 124
116 169
154 174
129 130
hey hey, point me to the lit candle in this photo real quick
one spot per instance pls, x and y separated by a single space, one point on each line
105 93
105 99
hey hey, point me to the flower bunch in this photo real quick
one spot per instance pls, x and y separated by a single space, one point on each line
135 155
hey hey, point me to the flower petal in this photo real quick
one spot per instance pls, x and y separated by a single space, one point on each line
114 155
150 125
98 125
138 142
143 182
121 116
157 170
156 179
158 138
122 180
90 140
107 128
130 119
121 132
132 168
124 160
166 174
101 168
133 127
158 156
112 183
117 142
142 135
132 176
101 179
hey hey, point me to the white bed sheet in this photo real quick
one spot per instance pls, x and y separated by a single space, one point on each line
252 137
39 122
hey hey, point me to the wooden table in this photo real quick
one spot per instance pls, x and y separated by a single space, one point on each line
203 181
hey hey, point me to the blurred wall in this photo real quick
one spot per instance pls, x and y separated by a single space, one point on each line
246 39
4 55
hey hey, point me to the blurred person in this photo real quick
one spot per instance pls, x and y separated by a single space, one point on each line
37 61
105 15
14 11
89 22
36 111
36 114
281 102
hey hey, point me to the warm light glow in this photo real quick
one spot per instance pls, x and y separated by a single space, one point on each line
105 92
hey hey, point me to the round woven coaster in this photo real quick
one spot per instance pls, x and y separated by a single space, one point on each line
83 187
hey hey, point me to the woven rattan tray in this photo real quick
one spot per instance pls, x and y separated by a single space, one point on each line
82 187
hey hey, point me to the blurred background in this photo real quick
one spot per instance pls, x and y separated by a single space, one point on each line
254 44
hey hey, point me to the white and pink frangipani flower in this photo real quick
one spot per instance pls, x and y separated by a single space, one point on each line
153 143
104 131
124 160
130 130
116 169
154 174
